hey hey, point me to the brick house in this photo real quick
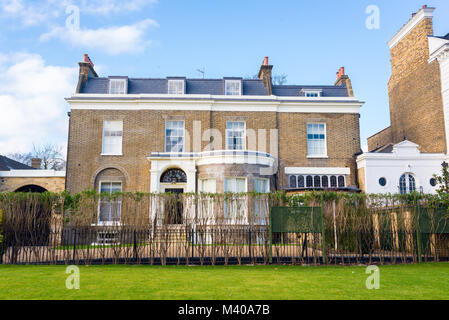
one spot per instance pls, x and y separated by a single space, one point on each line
210 135
405 156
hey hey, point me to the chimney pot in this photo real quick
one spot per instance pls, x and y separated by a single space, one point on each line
341 72
87 59
36 163
265 61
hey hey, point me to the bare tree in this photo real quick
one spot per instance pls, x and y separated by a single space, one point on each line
280 79
24 158
50 155
277 80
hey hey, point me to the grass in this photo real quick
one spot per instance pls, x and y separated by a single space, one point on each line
424 281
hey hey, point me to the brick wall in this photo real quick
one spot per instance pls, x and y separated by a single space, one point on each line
380 139
54 184
343 141
416 107
144 133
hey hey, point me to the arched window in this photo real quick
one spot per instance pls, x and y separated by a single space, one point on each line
301 182
407 184
174 176
341 182
317 182
324 181
333 182
309 181
292 181
411 183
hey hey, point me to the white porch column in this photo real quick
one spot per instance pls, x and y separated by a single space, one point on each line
154 181
191 181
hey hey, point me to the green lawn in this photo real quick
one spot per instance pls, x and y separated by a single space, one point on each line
425 281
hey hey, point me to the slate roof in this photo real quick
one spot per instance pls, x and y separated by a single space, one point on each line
7 164
295 91
252 87
388 148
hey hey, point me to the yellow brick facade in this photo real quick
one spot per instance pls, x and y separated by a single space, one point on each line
144 133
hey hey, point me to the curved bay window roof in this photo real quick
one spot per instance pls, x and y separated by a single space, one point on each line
174 176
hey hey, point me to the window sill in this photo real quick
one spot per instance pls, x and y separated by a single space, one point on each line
318 157
107 224
111 155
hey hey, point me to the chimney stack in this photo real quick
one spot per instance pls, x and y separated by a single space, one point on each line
265 75
343 79
36 163
86 71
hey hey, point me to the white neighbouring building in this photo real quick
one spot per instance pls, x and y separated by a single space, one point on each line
400 168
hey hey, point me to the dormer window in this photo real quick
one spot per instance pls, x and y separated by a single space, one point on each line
312 93
233 87
118 86
176 87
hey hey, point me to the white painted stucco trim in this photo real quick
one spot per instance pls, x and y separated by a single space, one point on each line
409 26
317 171
32 174
253 104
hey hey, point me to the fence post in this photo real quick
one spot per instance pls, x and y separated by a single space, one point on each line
418 235
323 236
249 246
135 245
270 237
74 246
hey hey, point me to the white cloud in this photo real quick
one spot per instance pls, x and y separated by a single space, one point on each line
113 40
32 102
106 7
31 13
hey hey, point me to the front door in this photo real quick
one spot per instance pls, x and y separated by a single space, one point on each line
174 207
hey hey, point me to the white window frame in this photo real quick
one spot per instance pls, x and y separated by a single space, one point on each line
201 181
244 135
259 218
233 93
115 82
407 176
317 156
235 178
177 91
265 180
244 208
313 180
103 153
109 223
183 137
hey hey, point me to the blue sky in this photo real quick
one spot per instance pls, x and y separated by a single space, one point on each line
306 40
